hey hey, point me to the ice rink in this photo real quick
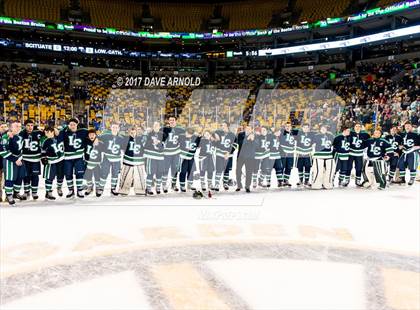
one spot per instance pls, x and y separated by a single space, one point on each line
271 249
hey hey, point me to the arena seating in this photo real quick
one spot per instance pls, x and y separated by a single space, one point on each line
366 94
179 16
40 94
382 3
251 15
109 13
319 9
37 9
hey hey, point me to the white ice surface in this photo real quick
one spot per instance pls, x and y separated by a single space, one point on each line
116 291
294 285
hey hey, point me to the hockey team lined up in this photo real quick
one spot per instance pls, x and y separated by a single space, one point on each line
157 159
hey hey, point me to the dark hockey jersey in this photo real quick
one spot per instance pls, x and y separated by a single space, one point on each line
113 146
206 148
356 142
377 148
341 147
262 146
52 150
74 142
31 145
154 150
93 154
287 142
171 137
323 145
60 143
188 146
12 148
395 141
304 143
411 142
226 144
134 152
274 146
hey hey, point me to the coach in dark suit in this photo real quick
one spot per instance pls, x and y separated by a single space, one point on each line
246 157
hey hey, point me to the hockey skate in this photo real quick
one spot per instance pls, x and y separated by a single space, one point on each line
59 192
114 192
26 195
80 194
35 196
399 181
10 200
49 196
70 194
149 192
99 192
89 190
19 196
287 184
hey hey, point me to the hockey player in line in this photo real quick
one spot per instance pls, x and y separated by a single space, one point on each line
378 151
14 169
113 146
93 158
133 173
188 146
304 146
31 158
74 139
153 154
206 161
3 129
395 140
323 168
52 154
287 147
275 158
357 137
341 145
60 164
225 143
257 164
410 154
262 157
171 136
